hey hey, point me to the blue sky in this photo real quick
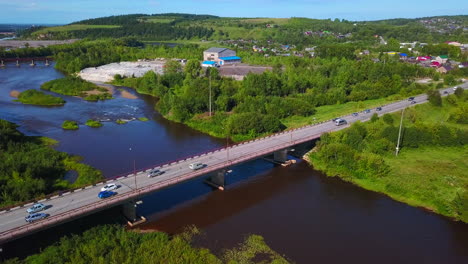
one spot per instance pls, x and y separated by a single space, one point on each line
66 11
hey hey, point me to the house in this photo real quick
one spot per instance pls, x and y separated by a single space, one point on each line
221 56
442 58
435 64
444 69
453 43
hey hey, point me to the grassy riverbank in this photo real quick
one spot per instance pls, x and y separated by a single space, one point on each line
113 244
31 168
35 97
431 170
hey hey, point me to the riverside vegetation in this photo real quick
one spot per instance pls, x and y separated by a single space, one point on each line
70 125
264 103
431 168
36 97
76 86
93 123
30 168
113 244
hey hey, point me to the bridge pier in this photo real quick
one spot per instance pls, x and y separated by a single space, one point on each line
217 179
129 211
17 63
47 62
280 156
2 65
32 63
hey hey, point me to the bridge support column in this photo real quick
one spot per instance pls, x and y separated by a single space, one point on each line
2 64
32 63
280 156
47 62
129 210
17 63
217 180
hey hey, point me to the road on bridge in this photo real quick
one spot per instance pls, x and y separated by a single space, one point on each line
85 201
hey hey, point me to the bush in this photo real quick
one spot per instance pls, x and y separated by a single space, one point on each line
36 97
70 125
434 97
374 118
388 119
93 123
245 123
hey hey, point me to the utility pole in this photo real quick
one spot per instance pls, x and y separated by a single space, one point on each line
210 90
399 133
134 169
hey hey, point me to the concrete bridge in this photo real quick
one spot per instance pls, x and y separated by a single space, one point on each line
84 201
33 61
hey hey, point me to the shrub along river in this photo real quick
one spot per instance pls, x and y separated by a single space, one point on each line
301 213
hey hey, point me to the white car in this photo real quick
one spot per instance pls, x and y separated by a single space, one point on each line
196 166
109 187
455 88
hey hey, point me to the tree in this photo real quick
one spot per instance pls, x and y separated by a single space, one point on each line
434 97
374 117
172 66
459 92
193 68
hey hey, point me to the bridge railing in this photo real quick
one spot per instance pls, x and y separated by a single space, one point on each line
140 170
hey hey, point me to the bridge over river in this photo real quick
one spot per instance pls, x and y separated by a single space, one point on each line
84 201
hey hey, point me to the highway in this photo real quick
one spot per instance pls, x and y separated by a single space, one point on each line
85 201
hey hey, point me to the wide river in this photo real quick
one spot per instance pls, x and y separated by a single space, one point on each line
302 214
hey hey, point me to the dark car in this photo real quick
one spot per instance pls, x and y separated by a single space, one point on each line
154 173
413 102
411 98
445 92
34 217
378 108
367 111
106 194
355 114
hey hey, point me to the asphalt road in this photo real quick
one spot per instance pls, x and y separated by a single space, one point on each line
12 223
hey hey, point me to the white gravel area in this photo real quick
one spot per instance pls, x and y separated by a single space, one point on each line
105 73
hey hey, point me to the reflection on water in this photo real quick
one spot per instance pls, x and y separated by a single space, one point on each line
302 214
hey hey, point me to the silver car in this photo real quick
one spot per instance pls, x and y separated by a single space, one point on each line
34 217
196 166
36 208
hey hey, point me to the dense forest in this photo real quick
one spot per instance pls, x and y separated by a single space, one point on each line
430 170
114 244
30 168
287 31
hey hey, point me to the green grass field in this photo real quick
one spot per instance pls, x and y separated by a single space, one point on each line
72 28
429 177
328 112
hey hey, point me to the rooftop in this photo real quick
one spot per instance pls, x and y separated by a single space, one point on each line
216 49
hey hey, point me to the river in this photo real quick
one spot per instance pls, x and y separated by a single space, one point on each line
302 214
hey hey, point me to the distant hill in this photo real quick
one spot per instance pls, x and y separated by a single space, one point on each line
295 30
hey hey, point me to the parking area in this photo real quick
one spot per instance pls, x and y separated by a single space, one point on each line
240 70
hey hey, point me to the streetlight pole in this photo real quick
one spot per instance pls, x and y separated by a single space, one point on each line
399 133
210 89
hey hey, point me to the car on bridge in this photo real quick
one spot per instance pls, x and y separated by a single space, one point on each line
340 122
355 114
109 187
36 208
154 173
106 194
411 98
378 108
367 111
34 217
196 165
413 102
